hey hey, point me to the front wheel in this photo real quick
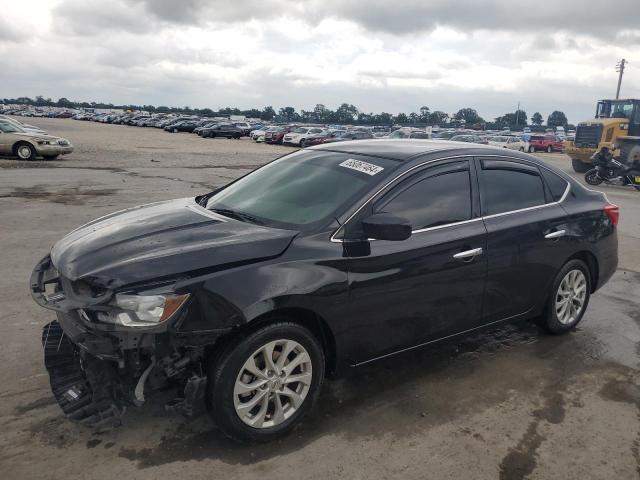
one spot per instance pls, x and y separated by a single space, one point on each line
532 149
24 151
549 149
303 143
592 177
263 384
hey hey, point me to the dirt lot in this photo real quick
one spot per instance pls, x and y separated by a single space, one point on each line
511 403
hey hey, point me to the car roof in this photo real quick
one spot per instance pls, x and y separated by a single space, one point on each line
404 150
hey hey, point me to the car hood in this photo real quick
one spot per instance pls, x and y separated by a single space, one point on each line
161 240
34 134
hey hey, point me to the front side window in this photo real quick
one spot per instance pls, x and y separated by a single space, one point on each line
509 189
433 201
303 189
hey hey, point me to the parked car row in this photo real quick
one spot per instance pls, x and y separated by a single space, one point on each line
303 135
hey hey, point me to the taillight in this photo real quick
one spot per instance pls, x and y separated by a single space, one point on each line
613 213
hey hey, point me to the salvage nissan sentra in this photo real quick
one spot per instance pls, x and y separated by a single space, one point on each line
243 299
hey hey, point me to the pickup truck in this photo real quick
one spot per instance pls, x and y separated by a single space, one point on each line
547 143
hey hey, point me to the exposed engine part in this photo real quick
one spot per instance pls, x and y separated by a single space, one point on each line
176 365
83 386
139 390
193 402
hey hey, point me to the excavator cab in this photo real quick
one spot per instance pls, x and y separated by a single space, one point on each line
629 109
616 127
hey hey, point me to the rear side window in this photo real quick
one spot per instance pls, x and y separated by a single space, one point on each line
505 190
557 185
433 201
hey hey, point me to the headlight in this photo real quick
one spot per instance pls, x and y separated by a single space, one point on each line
142 310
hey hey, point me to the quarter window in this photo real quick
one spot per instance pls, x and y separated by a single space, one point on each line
433 201
557 185
508 190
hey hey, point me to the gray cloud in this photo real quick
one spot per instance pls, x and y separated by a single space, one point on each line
9 32
588 17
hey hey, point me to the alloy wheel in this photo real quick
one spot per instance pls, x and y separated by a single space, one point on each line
571 296
273 383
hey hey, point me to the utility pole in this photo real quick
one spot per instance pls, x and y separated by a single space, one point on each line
518 115
620 69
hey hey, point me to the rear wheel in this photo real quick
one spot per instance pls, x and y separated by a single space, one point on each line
532 149
579 166
262 386
569 297
24 151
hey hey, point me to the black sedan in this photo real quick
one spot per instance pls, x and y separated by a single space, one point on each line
185 126
223 130
328 258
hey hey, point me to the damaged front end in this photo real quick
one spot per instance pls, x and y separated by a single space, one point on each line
109 349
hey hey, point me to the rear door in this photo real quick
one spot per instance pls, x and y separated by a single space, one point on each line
526 236
428 286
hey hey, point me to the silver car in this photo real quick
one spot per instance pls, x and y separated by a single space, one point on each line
26 145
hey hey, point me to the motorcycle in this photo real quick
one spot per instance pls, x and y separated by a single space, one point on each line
612 172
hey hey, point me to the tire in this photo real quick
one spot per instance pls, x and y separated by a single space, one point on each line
558 319
237 136
579 166
303 142
224 377
549 149
522 149
24 151
212 135
532 149
592 178
50 157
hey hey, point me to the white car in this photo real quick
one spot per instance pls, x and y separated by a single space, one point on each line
512 143
255 134
300 135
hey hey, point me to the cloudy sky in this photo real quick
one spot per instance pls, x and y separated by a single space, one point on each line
380 55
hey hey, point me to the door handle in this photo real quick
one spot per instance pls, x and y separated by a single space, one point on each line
468 254
556 234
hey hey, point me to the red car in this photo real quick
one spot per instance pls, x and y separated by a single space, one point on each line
547 143
276 136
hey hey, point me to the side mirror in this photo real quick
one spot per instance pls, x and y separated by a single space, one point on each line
384 226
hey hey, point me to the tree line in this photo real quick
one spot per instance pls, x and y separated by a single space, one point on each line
345 113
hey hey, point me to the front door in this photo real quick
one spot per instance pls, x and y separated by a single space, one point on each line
406 293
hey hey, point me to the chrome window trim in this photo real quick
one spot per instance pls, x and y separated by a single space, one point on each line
495 215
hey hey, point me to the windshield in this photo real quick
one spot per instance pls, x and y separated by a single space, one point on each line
300 130
303 189
6 127
610 109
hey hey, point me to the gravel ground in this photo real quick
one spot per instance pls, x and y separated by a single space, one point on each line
511 403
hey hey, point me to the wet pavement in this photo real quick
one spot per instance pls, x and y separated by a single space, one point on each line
509 403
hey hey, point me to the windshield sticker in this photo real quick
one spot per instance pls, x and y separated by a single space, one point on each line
364 167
